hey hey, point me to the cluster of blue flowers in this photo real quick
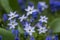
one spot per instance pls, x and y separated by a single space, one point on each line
26 21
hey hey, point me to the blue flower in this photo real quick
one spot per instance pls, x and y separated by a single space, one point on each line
56 37
40 23
54 5
35 15
23 7
23 23
30 4
21 4
12 15
5 17
39 8
0 37
48 38
32 38
15 32
42 6
17 38
25 34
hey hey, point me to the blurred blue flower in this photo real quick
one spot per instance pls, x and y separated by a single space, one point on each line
25 34
0 37
54 5
30 4
32 38
42 6
56 37
23 7
22 4
5 17
15 32
48 38
39 8
53 9
40 23
17 38
35 15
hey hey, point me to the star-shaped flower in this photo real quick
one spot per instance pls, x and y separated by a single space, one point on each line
30 10
12 24
29 30
43 19
42 30
12 15
22 18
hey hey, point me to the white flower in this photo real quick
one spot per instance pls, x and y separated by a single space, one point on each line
12 15
29 30
30 10
43 19
42 30
12 24
22 18
43 5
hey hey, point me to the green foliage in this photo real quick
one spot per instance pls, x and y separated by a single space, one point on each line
55 25
20 30
6 35
5 5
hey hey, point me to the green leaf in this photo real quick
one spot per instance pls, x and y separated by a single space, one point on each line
35 35
5 5
55 25
14 5
6 35
20 30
